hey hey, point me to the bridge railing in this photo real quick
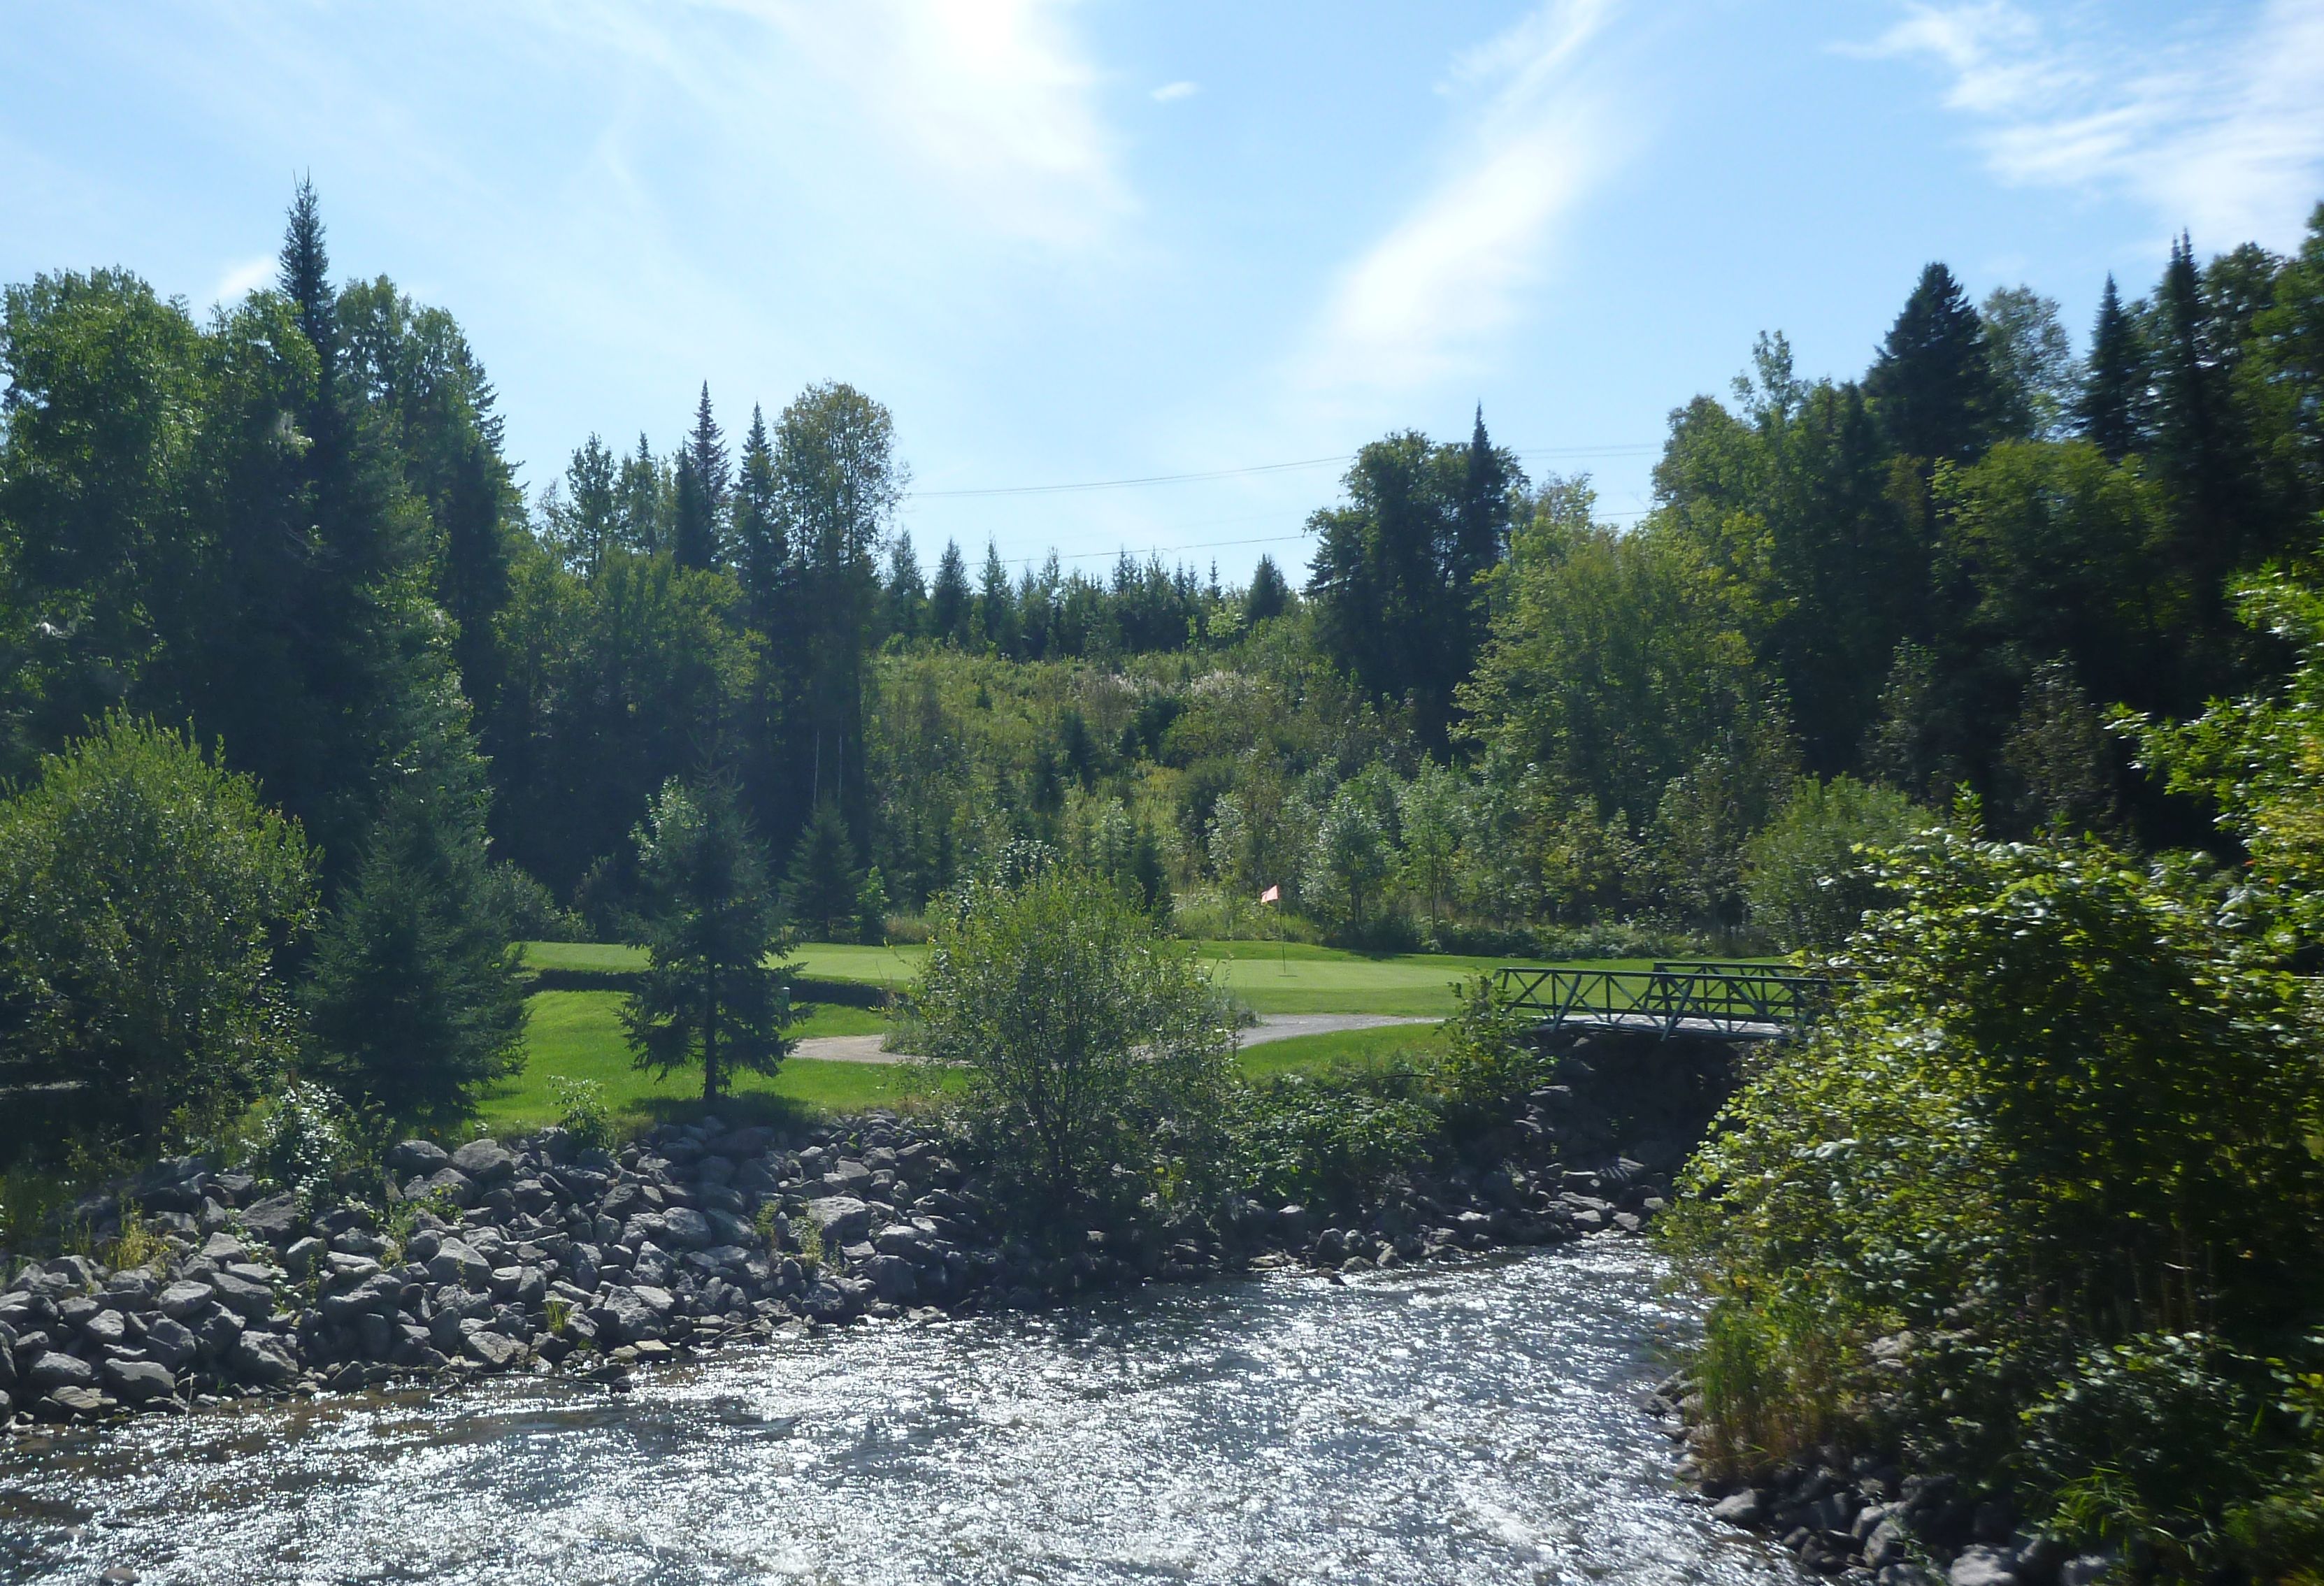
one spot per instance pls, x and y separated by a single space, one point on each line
1738 1002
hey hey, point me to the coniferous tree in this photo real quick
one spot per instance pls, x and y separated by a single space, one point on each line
710 994
1268 593
586 522
823 892
2195 447
948 598
702 487
418 998
644 506
996 604
2112 410
907 592
1930 383
768 569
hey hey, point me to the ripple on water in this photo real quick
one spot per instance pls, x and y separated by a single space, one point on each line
1472 1425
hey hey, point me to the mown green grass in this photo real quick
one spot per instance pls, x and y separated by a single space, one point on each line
1290 977
577 1035
1338 1050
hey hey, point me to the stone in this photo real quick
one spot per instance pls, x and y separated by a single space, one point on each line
456 1262
1740 1509
843 1219
133 1382
170 1342
218 1332
301 1258
375 1295
72 1401
1983 1567
496 1350
182 1301
57 1370
448 1182
107 1329
243 1296
418 1156
347 1269
2087 1569
486 1162
893 1277
264 1359
223 1248
686 1228
273 1218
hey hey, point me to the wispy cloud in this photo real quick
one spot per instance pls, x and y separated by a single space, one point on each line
1178 90
996 96
1534 138
242 280
2220 130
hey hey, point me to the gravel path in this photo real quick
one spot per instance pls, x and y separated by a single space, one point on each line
1272 1027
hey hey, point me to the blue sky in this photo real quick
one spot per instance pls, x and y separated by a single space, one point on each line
1086 240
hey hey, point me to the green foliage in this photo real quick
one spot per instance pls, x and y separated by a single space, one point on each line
582 1113
1333 1141
823 894
2068 1111
709 925
1809 873
144 896
1096 1057
418 998
304 1139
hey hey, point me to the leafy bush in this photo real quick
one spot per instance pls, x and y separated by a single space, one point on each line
2068 1113
1333 1140
1810 872
581 1113
1096 1053
304 1140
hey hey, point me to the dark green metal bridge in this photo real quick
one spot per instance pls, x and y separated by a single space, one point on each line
1710 998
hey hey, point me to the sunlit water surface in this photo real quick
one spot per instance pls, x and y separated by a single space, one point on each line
1469 1424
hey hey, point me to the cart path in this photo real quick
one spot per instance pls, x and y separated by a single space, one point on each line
1272 1027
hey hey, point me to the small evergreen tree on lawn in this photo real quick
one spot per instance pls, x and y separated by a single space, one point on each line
823 895
709 925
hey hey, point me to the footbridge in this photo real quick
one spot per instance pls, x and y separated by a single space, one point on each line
1716 999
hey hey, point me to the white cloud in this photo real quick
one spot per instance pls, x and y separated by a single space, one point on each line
996 98
1178 90
2220 131
242 280
1533 139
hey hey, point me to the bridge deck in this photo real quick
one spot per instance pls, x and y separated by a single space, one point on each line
1708 999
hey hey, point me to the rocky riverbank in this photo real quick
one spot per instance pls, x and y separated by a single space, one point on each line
543 1255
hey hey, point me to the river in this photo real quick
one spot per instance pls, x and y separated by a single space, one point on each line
1475 1423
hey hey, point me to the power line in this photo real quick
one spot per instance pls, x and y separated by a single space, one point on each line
1571 451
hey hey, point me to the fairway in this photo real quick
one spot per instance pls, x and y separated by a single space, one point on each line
1389 1045
577 1035
1267 977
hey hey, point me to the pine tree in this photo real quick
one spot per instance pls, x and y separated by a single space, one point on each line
416 999
304 276
907 592
1931 383
948 598
2112 410
1268 593
643 505
702 487
823 892
996 604
768 568
710 994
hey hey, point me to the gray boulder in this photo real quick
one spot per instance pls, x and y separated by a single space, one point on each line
418 1156
133 1382
223 1248
843 1219
106 1329
57 1370
301 1258
220 1331
264 1359
374 1296
170 1342
485 1161
456 1262
1740 1509
181 1301
244 1296
271 1219
893 1277
686 1228
494 1350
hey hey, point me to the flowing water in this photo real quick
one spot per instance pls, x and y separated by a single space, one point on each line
1474 1423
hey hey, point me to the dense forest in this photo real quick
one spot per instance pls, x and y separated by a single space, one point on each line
286 541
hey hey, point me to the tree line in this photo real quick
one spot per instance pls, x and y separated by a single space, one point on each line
287 538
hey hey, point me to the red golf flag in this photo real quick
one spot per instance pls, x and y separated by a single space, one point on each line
1272 895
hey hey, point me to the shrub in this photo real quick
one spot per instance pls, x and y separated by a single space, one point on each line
1096 1053
581 1113
1333 1141
1809 873
304 1140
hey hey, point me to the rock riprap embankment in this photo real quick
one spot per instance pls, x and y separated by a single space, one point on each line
541 1255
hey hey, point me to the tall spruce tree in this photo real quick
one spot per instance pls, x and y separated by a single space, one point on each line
712 994
2111 412
1930 383
949 598
768 568
823 890
1267 594
996 604
702 487
907 592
